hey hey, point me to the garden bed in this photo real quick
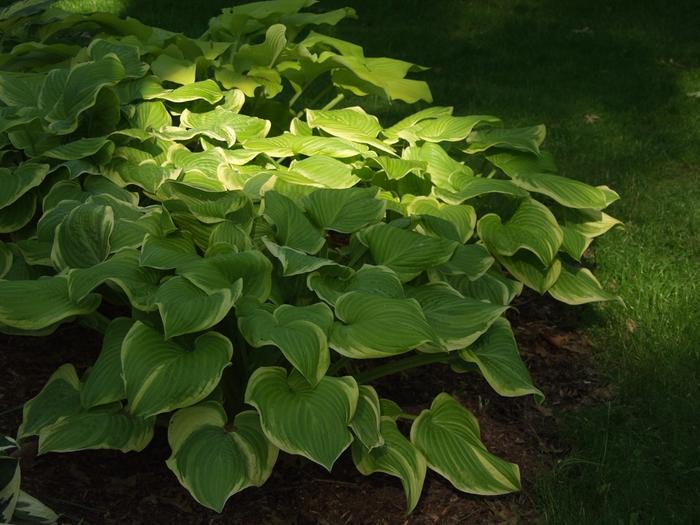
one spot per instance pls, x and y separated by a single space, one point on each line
108 487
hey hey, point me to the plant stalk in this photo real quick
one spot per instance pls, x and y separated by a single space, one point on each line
403 364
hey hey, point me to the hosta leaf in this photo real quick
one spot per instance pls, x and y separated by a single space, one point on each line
128 55
295 262
325 171
301 419
366 423
496 355
375 280
5 259
207 90
448 435
65 98
491 287
396 169
223 270
567 192
349 123
122 269
209 206
83 237
465 186
293 229
78 149
10 478
453 222
532 227
162 375
31 510
298 331
101 429
104 383
522 139
579 286
18 214
392 132
214 461
186 309
165 253
17 182
227 124
50 303
457 320
439 164
372 326
446 128
581 227
347 210
528 269
59 397
407 253
150 115
471 260
396 457
174 70
288 145
20 89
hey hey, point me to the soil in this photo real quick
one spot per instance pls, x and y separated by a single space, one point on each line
111 488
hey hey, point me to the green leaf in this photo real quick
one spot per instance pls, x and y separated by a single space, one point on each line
453 222
491 287
528 269
581 227
300 332
31 510
288 145
213 460
392 132
207 90
396 457
293 229
165 253
104 383
458 321
446 128
352 124
174 70
407 253
471 260
366 422
67 94
18 214
50 303
83 237
371 326
347 210
301 419
496 355
465 186
59 397
79 149
374 280
532 227
295 262
101 429
223 270
448 435
521 139
397 169
10 479
122 270
578 286
162 375
17 182
567 192
325 171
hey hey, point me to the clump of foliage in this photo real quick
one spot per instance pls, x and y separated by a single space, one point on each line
255 256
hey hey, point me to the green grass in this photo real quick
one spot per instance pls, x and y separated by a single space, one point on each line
610 80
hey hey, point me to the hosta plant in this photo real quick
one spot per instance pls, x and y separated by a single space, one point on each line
257 255
16 506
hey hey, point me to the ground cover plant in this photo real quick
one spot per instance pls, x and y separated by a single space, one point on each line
256 257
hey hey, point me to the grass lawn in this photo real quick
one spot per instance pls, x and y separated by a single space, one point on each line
612 81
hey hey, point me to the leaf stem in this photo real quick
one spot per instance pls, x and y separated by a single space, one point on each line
334 102
402 364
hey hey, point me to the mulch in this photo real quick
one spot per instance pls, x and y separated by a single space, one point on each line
111 488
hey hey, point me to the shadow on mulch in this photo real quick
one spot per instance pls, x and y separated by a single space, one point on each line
111 488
